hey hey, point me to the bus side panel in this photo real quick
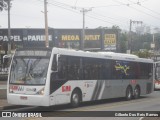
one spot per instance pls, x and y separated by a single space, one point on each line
95 89
115 88
63 94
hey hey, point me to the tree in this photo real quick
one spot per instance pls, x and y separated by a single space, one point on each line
116 28
157 30
143 54
101 27
123 42
143 29
3 5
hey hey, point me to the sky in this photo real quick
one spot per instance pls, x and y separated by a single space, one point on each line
67 13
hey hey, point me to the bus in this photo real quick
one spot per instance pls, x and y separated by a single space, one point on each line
54 76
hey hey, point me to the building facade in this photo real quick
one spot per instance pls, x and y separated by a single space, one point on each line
103 39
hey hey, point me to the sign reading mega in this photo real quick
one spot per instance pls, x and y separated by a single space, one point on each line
105 39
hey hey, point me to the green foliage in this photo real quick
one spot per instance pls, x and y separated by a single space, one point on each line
123 42
139 41
143 54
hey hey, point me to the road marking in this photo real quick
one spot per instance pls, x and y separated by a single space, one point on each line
97 107
100 106
116 105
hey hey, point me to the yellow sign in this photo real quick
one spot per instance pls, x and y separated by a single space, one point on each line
92 37
109 39
77 37
70 37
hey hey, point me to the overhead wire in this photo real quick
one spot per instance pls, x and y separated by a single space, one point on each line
137 10
139 4
157 18
92 15
70 8
75 3
110 19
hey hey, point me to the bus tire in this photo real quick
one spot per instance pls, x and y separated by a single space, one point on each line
137 92
75 98
129 93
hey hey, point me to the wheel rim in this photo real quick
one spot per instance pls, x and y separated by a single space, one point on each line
75 98
136 93
129 93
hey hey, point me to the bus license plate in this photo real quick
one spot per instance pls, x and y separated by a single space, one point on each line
23 97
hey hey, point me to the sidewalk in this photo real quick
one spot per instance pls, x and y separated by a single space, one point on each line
3 94
3 103
3 89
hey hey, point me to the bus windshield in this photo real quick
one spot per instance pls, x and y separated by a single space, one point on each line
29 70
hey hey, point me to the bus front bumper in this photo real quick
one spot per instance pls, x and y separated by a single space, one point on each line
31 100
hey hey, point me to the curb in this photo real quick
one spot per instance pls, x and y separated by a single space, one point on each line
3 94
13 107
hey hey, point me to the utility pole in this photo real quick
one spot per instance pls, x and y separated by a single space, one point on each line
9 29
130 35
153 46
84 11
46 24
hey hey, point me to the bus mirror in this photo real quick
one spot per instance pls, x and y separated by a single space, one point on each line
6 57
55 62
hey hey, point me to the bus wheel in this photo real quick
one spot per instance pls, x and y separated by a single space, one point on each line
129 93
75 99
136 92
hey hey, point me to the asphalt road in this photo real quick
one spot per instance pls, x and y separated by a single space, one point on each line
99 108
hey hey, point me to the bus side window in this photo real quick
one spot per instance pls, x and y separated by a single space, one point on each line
55 64
73 68
59 67
62 67
144 70
106 70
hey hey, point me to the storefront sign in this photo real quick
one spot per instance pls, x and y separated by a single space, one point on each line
110 41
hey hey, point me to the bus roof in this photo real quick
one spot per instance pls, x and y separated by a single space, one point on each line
103 55
106 55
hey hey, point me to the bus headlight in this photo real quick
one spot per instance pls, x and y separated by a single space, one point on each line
40 92
10 90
